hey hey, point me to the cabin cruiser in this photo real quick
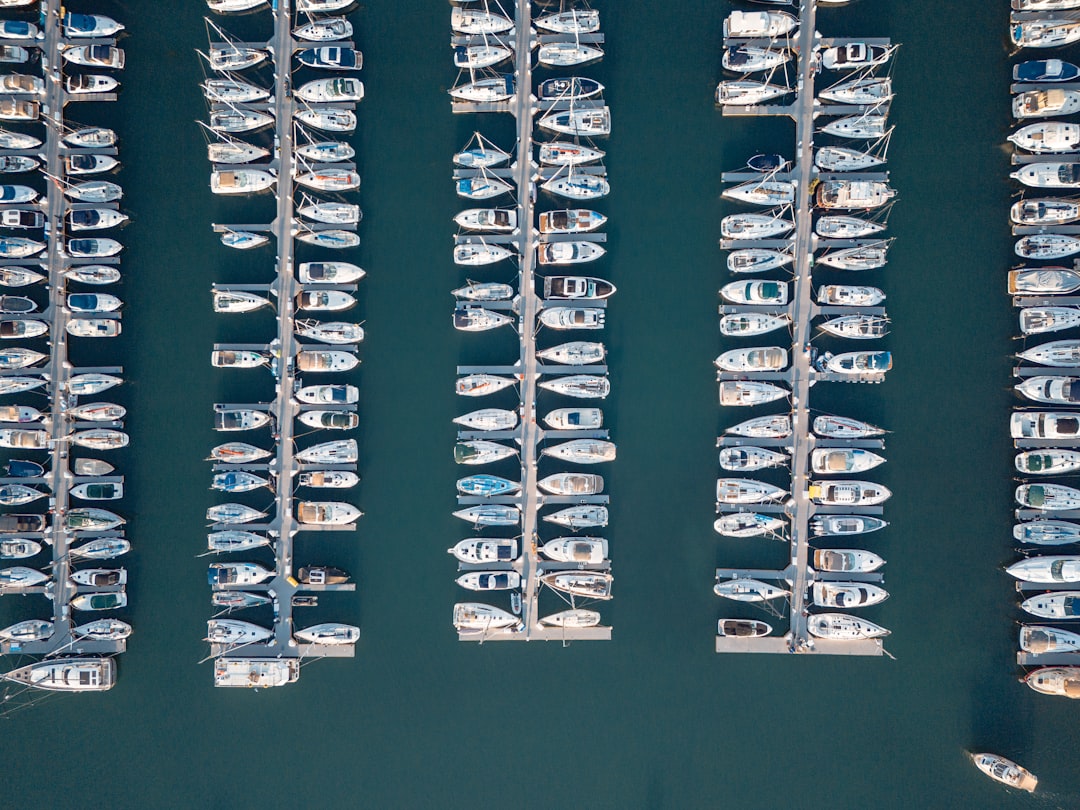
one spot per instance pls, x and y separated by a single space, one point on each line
851 296
328 395
587 584
17 194
1005 771
1056 353
24 439
836 460
745 589
754 226
1041 640
751 59
326 360
573 220
23 328
77 26
94 248
567 483
756 292
503 220
328 479
759 24
848 493
20 84
757 260
223 575
1045 70
1043 281
848 194
762 192
1048 497
857 363
1046 211
490 580
579 386
753 323
749 392
567 54
326 513
1048 137
747 524
847 594
846 560
328 273
563 253
1060 681
1051 389
751 458
579 517
241 181
843 525
1044 425
1049 32
100 577
93 491
1056 605
472 617
87 674
747 491
867 126
94 219
842 627
574 419
568 89
104 56
854 55
577 288
12 109
581 550
572 318
758 358
1046 570
777 426
240 419
477 551
742 628
324 301
582 451
331 58
1049 175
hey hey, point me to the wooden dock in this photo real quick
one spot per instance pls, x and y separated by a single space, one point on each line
798 576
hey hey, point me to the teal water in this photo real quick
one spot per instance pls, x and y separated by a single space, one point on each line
652 719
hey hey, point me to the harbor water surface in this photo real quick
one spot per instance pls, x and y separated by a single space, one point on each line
652 719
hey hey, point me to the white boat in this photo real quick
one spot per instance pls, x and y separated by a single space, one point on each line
742 393
325 151
754 226
1047 570
233 6
757 260
228 574
236 121
755 358
328 395
747 491
324 300
1044 211
845 227
590 122
330 633
14 359
473 617
1056 605
229 57
328 479
238 301
1047 532
1047 246
580 550
482 156
836 460
17 140
1047 137
89 674
579 386
857 327
488 419
579 517
847 594
477 551
24 439
587 584
94 219
487 90
759 24
761 292
1048 497
322 6
746 589
17 385
490 580
329 420
866 90
237 481
475 21
574 419
18 494
335 89
567 54
572 318
1059 681
20 84
233 419
1045 103
477 57
1056 353
745 92
850 296
324 29
842 627
1051 389
862 127
24 328
1043 281
235 91
100 439
327 119
478 451
1042 640
1044 425
578 186
748 524
342 451
19 576
567 483
752 59
327 513
854 55
574 353
574 21
762 192
561 153
777 426
100 577
29 630
87 137
848 493
500 220
97 274
748 459
243 240
319 361
103 56
858 363
480 385
868 256
93 248
850 194
93 467
234 633
577 288
241 181
475 254
103 548
577 617
845 525
582 451
17 164
85 385
13 109
1005 771
846 560
563 253
95 491
1049 175
490 515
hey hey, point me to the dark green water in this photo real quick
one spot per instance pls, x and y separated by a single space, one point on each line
652 719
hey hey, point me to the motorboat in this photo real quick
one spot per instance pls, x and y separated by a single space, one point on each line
488 419
330 633
1044 281
477 57
329 273
342 451
481 385
102 548
580 550
571 220
23 328
234 419
1005 771
748 524
846 560
1043 640
327 119
20 84
24 439
490 580
110 600
745 92
13 109
847 493
1056 605
30 630
851 194
574 618
1049 175
229 574
327 513
86 674
751 59
94 248
756 358
490 89
19 576
17 194
339 333
22 220
1056 353
586 584
233 513
579 386
499 220
866 90
331 58
754 226
324 29
567 483
748 459
478 551
759 24
578 186
241 181
867 126
579 517
760 292
858 363
479 451
1048 497
776 426
1045 70
328 395
1044 5
234 633
1047 137
326 361
100 577
94 219
845 525
77 26
574 419
1047 570
243 240
762 192
1043 532
255 673
1046 211
490 515
18 29
475 21
476 254
328 479
21 413
847 594
1045 103
563 253
572 318
95 491
324 301
567 54
582 451
23 468
757 260
743 393
854 56
97 274
100 56
1045 425
1051 389
577 288
747 589
842 627
844 295
837 460
484 291
857 327
568 89
19 523
590 122
1060 681
487 486
473 617
747 491
742 628
236 481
